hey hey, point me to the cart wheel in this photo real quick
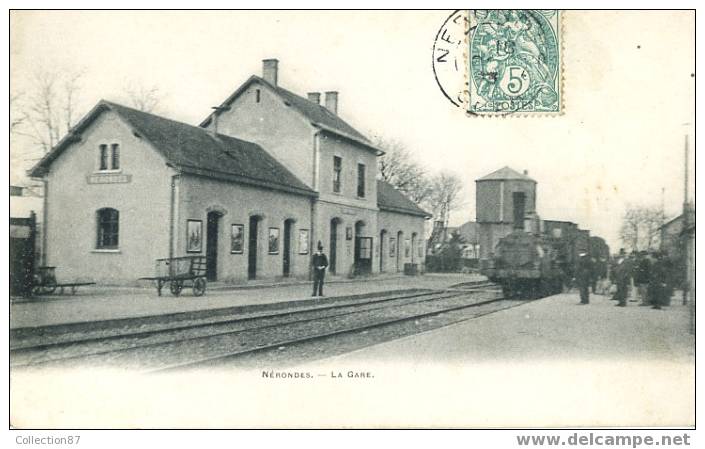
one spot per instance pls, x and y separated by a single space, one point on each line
199 286
49 286
160 284
176 287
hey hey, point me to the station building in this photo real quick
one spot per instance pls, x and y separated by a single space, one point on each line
254 188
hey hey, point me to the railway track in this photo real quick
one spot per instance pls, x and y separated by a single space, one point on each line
229 339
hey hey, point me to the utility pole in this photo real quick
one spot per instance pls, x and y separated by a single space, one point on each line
684 235
685 177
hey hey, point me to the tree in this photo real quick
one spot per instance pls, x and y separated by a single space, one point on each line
640 228
144 98
445 195
17 116
49 110
398 168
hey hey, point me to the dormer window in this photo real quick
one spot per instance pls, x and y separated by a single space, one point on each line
109 157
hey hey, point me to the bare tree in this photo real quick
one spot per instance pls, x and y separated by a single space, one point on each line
144 98
17 115
445 195
49 110
640 228
398 168
70 88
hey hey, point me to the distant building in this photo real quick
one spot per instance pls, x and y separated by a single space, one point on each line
504 200
672 243
678 244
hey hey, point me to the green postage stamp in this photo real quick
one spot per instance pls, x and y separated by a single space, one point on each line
514 62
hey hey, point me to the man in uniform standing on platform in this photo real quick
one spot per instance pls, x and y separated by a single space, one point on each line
320 263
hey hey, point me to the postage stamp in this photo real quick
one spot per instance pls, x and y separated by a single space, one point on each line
514 62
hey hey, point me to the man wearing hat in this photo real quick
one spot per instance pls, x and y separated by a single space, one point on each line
320 263
622 276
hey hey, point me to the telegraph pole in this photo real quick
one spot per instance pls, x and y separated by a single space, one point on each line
685 177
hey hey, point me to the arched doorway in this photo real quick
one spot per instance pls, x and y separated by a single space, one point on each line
400 248
212 226
252 246
382 250
286 250
363 249
333 247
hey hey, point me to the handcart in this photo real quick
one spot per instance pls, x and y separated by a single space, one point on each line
180 272
44 282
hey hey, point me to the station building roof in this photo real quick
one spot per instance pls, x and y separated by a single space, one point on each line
193 150
317 114
505 174
392 200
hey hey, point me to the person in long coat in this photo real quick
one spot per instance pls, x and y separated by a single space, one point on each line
583 277
622 277
658 290
642 275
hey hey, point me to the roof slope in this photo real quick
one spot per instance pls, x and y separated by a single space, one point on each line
315 113
196 150
390 199
318 114
504 174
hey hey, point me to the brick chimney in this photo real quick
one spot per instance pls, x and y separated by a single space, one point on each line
270 68
332 102
315 97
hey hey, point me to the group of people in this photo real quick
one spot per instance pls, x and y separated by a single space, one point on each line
653 276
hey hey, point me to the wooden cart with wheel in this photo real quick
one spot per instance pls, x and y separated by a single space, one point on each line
180 272
44 282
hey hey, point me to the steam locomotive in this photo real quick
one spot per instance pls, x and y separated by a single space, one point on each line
526 266
540 261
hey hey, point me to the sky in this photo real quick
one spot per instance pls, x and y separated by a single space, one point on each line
628 80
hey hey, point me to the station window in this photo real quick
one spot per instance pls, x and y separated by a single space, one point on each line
361 180
108 228
115 156
109 157
103 157
337 168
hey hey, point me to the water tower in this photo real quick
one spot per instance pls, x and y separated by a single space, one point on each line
503 201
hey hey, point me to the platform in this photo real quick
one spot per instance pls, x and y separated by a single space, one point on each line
550 362
105 303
